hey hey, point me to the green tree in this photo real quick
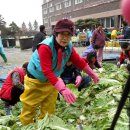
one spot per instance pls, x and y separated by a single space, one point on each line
14 29
91 23
30 32
24 28
30 27
2 22
4 31
86 23
35 25
80 24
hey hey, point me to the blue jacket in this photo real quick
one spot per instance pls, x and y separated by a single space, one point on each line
127 32
88 50
34 66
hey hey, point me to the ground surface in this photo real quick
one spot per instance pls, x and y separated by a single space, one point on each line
16 57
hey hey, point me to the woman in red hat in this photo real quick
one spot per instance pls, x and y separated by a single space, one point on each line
42 82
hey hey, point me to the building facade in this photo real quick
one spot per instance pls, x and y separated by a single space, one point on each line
106 11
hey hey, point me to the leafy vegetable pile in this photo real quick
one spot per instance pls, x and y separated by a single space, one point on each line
94 109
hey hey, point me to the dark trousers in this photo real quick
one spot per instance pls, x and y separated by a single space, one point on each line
15 94
84 83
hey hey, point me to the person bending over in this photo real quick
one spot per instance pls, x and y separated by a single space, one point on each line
13 87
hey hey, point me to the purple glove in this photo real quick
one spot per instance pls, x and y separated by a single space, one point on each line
78 81
91 73
67 94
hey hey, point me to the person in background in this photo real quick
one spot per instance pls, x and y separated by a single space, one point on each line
106 31
42 82
126 31
2 52
89 36
90 56
72 75
13 87
99 38
91 59
39 37
107 34
91 48
82 38
77 32
124 58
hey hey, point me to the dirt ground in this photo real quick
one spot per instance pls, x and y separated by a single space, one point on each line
16 57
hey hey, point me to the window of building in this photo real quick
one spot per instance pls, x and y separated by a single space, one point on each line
108 22
102 21
121 21
78 1
67 3
44 11
45 1
45 20
50 19
112 22
51 9
50 4
58 6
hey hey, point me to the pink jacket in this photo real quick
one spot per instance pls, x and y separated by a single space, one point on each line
98 38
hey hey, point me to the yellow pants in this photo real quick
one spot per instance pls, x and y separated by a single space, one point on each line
37 94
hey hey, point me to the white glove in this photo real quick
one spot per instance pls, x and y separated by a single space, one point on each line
95 70
123 65
100 70
128 61
118 64
125 61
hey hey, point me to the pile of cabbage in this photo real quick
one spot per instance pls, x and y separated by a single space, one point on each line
94 109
